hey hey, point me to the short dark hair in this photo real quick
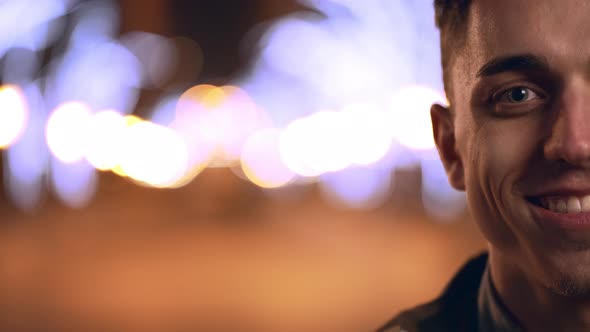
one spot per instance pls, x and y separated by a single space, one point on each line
451 19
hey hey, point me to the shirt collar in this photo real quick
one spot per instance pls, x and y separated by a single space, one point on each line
492 313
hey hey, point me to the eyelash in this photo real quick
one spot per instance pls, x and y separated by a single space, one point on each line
498 102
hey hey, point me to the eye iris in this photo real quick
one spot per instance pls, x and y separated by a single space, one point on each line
518 95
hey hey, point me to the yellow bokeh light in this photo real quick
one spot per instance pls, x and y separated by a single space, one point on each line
410 116
154 154
13 114
261 160
119 171
131 120
216 122
67 131
209 96
105 135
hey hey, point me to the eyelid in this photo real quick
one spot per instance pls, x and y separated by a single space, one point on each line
496 95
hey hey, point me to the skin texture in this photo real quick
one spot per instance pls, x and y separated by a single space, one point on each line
502 150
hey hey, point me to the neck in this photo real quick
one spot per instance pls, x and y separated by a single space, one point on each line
537 307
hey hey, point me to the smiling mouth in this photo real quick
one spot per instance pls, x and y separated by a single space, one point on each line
563 204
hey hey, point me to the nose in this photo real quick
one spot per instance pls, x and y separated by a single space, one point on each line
569 139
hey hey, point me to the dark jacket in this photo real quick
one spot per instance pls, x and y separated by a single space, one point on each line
454 311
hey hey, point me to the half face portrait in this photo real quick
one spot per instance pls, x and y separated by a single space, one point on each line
516 137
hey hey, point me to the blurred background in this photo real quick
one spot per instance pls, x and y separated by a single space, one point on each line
229 165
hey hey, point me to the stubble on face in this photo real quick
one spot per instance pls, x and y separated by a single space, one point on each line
502 148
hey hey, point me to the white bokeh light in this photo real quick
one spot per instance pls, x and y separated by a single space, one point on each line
26 160
326 150
66 131
293 147
154 154
367 136
105 135
13 114
410 116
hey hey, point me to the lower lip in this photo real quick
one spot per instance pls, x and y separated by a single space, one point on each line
571 221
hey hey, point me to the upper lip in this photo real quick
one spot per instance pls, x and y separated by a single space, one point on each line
559 183
561 190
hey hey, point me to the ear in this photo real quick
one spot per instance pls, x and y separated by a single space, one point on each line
443 129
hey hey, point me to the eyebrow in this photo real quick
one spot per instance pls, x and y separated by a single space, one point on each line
520 62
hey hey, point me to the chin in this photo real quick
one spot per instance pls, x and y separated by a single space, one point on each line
568 274
572 287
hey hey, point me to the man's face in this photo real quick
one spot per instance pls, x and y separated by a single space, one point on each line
518 137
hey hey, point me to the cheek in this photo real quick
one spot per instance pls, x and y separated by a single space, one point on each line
497 157
504 150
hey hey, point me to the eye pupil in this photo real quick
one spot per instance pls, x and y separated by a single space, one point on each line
518 95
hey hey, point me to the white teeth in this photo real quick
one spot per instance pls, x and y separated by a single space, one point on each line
561 206
574 205
571 204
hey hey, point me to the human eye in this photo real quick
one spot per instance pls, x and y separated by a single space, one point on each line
516 95
517 99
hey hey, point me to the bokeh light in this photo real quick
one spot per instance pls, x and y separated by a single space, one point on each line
376 63
29 23
368 137
410 116
357 187
26 194
154 154
189 61
157 54
349 91
95 21
315 144
326 150
216 121
261 160
74 183
20 66
104 76
66 131
105 136
242 117
13 114
164 112
293 145
330 141
27 159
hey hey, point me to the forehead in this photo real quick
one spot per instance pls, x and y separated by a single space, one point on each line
557 30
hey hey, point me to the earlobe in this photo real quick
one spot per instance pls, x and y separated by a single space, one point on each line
443 130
